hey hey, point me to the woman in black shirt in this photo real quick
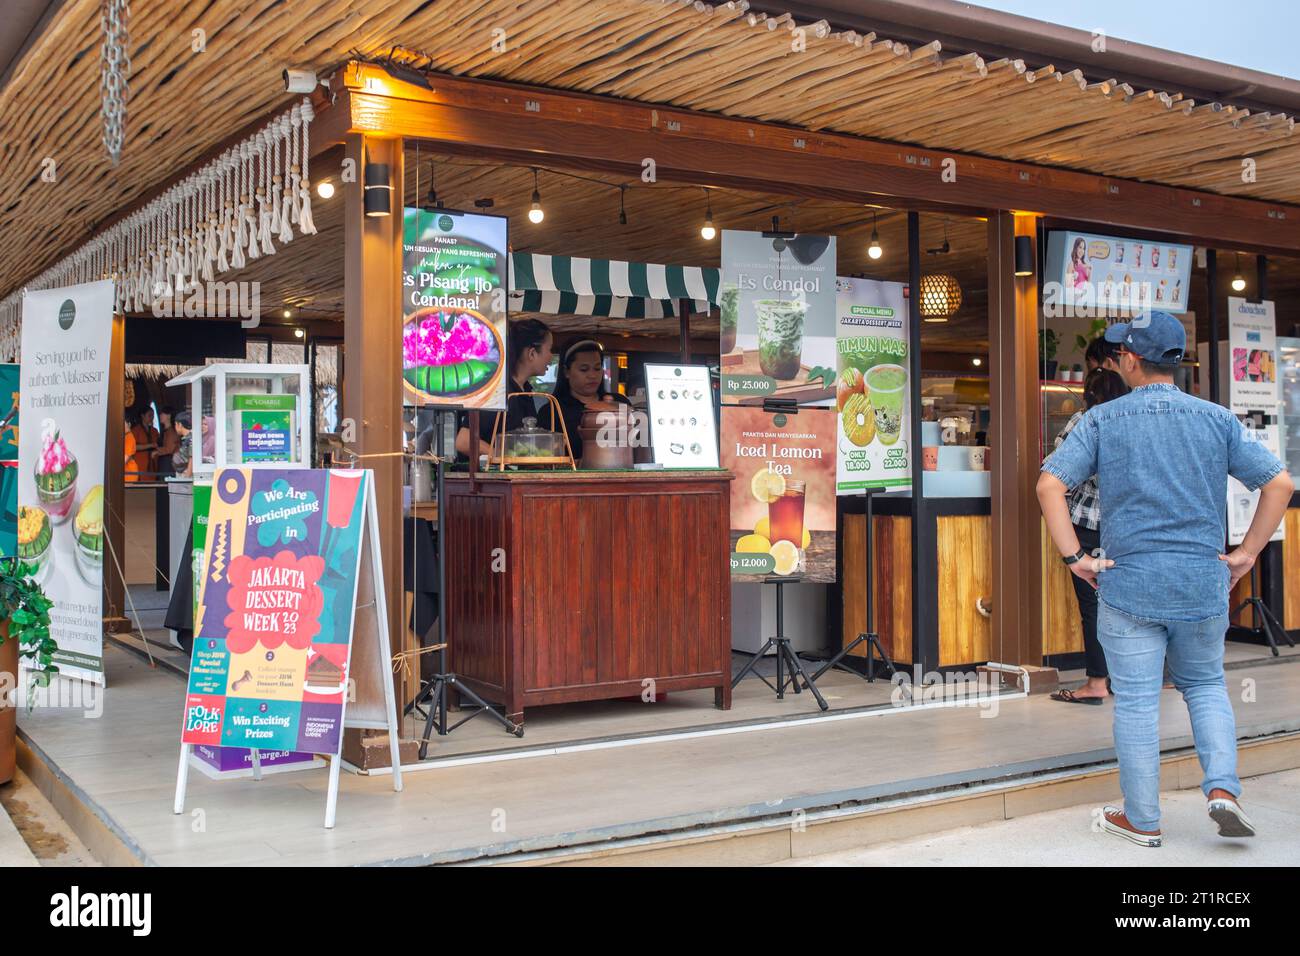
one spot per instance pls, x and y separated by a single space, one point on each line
580 386
530 354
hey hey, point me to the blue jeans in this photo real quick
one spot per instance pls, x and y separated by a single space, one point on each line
1135 655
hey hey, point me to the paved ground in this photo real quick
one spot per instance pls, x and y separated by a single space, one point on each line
1065 837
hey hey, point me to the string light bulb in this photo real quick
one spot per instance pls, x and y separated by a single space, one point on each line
325 189
298 333
874 250
707 232
536 214
1239 280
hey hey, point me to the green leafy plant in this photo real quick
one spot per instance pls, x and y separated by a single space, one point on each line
1047 342
1096 329
24 604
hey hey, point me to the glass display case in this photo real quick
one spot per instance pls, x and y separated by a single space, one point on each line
1289 376
1060 401
248 415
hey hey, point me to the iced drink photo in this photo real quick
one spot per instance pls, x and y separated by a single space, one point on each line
885 384
780 337
728 312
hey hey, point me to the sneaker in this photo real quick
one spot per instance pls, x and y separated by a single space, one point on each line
1114 821
1227 813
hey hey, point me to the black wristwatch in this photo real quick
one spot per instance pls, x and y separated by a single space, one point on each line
1074 558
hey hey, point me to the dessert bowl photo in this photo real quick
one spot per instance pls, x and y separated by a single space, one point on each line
88 531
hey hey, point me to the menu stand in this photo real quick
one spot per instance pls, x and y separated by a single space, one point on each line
869 636
785 656
1266 622
434 693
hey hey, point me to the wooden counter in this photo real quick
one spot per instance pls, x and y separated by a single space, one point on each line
603 582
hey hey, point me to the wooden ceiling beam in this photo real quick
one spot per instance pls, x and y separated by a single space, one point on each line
517 123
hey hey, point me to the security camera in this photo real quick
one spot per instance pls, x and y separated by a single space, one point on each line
299 81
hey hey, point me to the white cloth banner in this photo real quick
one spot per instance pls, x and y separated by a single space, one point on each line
63 405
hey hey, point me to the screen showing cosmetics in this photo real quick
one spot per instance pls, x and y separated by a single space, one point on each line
681 416
1088 271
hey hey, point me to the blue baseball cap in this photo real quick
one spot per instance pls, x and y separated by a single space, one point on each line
1157 337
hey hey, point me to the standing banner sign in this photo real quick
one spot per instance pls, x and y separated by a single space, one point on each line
8 460
783 493
272 664
777 315
872 393
1255 396
66 336
455 270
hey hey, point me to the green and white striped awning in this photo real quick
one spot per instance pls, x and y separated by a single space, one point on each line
567 285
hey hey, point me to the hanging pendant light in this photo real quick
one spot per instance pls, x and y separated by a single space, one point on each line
1239 280
707 232
940 297
536 214
874 250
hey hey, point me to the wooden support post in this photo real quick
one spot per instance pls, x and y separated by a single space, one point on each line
1015 428
114 614
372 341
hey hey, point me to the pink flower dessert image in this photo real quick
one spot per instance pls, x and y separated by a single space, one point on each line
56 473
449 354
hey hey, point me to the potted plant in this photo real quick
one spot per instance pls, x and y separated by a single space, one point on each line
1096 329
1047 341
24 632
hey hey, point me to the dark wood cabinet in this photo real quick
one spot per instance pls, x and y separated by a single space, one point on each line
587 586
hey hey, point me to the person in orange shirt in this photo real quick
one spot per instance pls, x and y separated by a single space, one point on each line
146 442
132 469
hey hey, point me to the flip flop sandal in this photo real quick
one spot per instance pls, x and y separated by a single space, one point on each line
1068 697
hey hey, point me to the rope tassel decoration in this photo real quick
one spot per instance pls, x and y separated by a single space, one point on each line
223 215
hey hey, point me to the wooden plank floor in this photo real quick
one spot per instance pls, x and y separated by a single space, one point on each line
125 764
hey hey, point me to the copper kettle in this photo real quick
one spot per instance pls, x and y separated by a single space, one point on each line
606 437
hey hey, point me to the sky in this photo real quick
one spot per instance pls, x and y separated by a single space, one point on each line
1258 34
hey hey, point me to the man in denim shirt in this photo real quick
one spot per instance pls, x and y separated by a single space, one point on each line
1162 460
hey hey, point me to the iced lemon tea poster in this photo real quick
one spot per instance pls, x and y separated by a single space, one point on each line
454 278
273 632
776 307
871 386
783 493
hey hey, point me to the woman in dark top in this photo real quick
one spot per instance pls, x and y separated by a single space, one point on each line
580 386
529 354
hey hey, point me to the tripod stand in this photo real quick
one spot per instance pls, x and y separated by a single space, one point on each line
785 656
434 693
869 636
1266 621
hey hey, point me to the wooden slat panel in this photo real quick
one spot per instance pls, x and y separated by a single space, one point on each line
1291 570
892 587
965 573
475 599
1062 629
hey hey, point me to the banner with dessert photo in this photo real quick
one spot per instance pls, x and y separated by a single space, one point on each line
783 493
776 306
1255 396
455 272
872 395
273 633
63 393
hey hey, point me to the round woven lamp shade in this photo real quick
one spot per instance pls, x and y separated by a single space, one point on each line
940 296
